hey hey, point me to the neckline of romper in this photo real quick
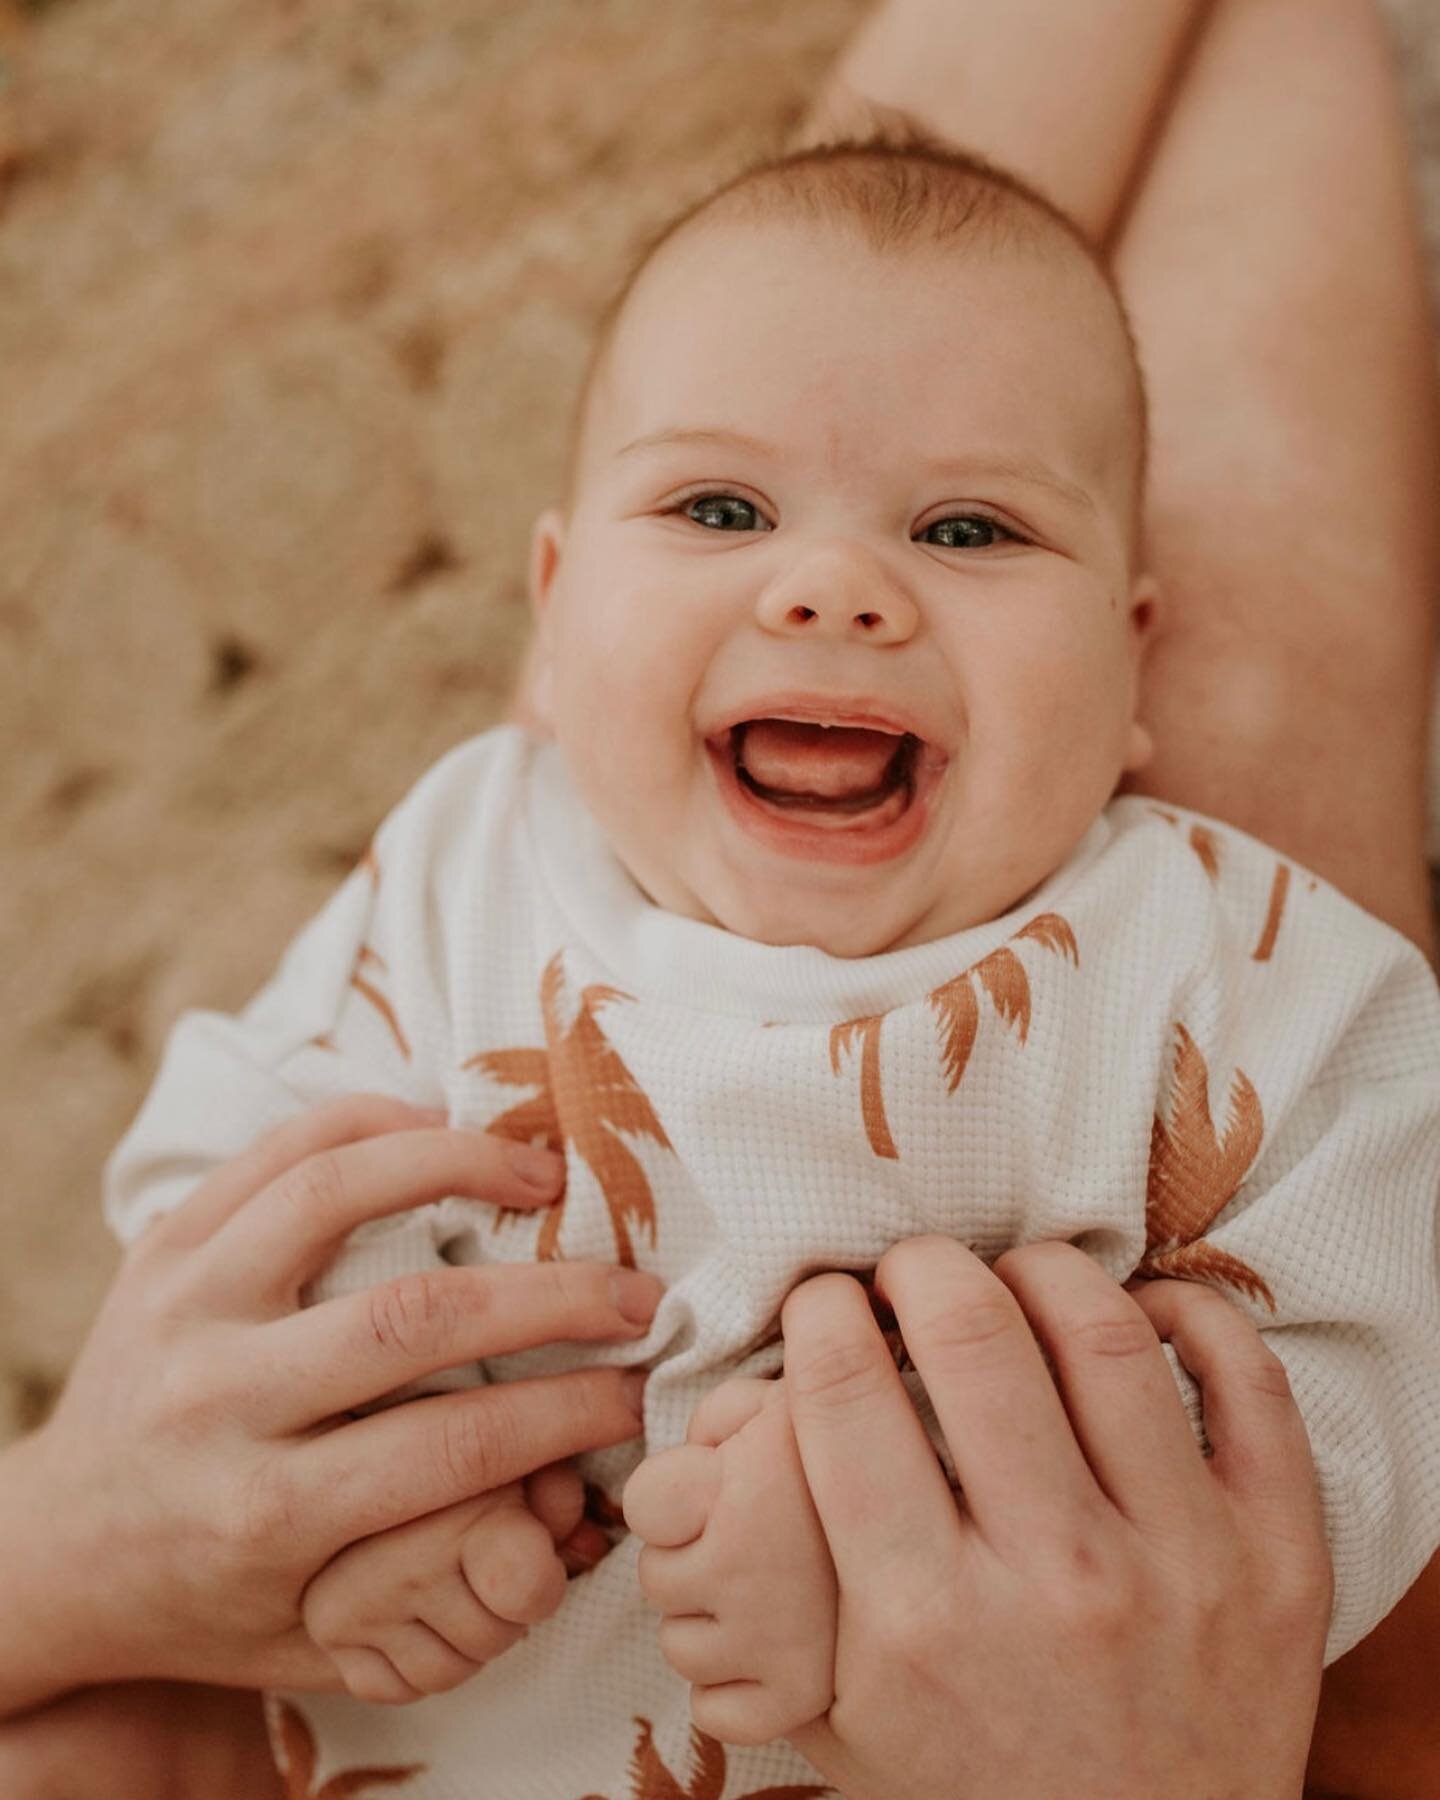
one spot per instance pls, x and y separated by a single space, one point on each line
655 954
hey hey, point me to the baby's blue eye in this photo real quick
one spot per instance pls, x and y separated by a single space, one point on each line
968 531
723 512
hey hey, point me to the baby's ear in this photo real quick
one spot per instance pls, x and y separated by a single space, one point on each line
1145 604
533 698
547 539
1145 600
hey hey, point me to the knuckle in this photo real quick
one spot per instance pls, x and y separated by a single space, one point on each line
477 1442
261 1524
1113 1334
838 1374
315 1187
1267 1376
962 1336
414 1316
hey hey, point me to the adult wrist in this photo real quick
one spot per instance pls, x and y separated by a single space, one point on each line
54 1637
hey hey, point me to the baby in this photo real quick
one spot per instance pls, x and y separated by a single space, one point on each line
814 928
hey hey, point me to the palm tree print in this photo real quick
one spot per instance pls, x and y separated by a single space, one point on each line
1279 888
365 972
651 1780
1206 845
297 1744
584 1097
1195 1173
1001 975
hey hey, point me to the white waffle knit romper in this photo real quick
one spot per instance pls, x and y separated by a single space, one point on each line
1182 1052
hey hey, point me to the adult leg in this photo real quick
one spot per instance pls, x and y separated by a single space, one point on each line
1273 269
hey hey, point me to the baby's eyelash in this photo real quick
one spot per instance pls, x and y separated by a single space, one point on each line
1006 533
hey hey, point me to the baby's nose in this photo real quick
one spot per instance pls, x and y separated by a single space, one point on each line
838 597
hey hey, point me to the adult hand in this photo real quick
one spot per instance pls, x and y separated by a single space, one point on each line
1108 1613
202 1465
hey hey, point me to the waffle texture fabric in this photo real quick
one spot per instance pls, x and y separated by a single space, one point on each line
1183 1053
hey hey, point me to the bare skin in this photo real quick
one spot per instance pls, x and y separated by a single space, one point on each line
1076 1535
200 1470
1362 839
1289 689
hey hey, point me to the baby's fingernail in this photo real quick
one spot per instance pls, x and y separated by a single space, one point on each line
538 1168
636 1294
632 1385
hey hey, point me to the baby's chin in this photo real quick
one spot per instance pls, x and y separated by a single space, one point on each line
844 925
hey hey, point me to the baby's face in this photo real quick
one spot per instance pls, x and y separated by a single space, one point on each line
840 639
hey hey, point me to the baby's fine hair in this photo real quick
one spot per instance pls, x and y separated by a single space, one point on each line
899 188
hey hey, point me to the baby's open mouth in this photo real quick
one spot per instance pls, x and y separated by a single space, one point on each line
839 775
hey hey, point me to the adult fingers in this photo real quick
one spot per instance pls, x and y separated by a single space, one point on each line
875 1480
1014 1451
1117 1387
1260 1449
359 1346
369 1474
294 1225
346 1120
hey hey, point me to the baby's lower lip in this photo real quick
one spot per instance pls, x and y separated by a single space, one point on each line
856 844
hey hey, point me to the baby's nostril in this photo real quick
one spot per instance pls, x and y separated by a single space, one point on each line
802 614
869 620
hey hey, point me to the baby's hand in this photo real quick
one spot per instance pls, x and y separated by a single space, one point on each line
420 1608
735 1559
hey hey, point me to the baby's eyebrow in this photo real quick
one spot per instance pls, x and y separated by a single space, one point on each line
735 440
1010 468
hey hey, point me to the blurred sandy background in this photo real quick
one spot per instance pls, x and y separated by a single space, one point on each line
293 298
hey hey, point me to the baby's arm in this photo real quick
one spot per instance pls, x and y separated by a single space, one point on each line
737 1563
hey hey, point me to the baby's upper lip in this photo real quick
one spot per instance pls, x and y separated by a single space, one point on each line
864 711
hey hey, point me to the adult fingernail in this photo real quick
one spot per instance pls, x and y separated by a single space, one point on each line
632 1385
538 1168
636 1294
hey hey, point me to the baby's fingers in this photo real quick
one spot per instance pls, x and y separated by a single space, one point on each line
669 1498
510 1565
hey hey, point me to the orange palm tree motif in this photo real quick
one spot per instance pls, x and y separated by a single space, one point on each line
586 1096
1279 888
364 984
1202 841
1206 845
651 1780
1195 1173
1001 975
872 1096
297 1743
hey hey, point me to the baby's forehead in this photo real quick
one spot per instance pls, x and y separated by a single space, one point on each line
728 290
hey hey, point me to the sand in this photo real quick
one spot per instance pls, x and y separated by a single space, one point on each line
293 298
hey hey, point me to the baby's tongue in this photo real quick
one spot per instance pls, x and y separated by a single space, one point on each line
829 761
